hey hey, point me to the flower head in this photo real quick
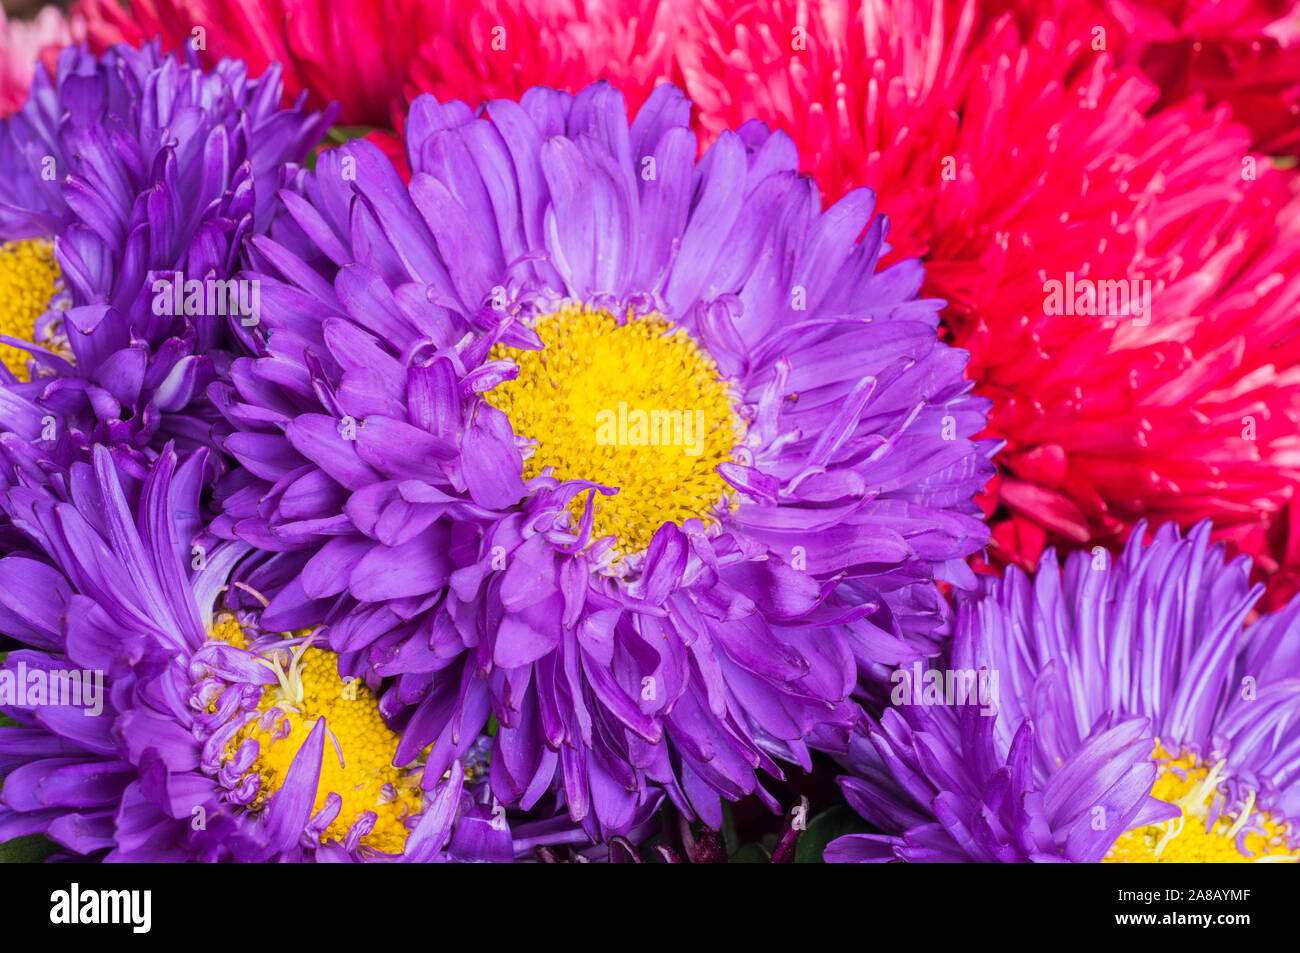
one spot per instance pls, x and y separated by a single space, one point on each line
128 183
1133 719
191 733
639 455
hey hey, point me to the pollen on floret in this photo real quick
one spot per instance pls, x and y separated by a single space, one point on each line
1243 835
226 628
359 748
634 404
29 279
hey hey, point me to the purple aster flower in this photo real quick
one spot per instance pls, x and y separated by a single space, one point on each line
1135 719
119 173
193 733
641 456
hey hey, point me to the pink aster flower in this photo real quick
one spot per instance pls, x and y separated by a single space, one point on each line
500 48
1245 53
1186 409
354 52
865 89
23 44
366 54
1284 542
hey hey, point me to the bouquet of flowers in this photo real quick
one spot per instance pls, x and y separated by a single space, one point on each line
654 430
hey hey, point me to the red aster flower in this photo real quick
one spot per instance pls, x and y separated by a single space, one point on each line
1245 53
355 52
23 44
865 89
497 49
364 53
1016 160
1284 542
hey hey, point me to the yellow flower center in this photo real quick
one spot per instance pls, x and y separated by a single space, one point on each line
636 405
29 279
359 749
1192 786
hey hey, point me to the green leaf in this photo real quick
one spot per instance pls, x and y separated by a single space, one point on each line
730 839
750 854
336 136
824 828
26 850
341 134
